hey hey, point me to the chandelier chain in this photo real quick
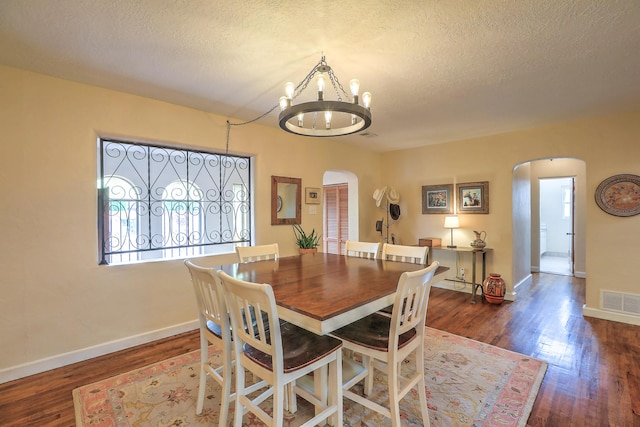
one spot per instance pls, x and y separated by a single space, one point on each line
334 80
305 82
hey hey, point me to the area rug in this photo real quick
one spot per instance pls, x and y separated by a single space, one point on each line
468 384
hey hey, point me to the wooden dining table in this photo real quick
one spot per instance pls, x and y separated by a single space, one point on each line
323 292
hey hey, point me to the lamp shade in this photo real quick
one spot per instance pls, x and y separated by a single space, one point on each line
451 221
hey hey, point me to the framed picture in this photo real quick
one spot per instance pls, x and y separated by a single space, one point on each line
437 199
619 195
312 196
473 197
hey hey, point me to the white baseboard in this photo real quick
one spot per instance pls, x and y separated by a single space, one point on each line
528 278
20 371
452 286
578 274
456 286
610 315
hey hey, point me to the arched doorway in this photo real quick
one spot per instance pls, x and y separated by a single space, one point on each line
526 213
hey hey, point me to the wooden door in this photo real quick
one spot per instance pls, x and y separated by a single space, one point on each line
336 218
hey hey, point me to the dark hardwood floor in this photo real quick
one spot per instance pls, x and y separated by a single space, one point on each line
593 377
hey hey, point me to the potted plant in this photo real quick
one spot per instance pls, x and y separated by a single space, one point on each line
306 243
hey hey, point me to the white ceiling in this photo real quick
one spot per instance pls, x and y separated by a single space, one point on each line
439 70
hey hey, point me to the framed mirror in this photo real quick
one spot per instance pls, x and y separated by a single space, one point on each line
286 200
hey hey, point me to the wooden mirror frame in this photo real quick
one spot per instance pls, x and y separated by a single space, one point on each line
275 180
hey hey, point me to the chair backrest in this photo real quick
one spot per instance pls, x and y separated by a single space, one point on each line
410 306
261 333
257 253
413 254
210 297
362 249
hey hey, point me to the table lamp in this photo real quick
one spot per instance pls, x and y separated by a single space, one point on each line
451 222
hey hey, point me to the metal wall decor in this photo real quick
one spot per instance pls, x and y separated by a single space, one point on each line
619 195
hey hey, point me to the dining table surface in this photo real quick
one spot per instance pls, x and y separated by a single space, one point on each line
322 292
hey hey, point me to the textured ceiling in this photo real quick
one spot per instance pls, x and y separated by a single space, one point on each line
439 70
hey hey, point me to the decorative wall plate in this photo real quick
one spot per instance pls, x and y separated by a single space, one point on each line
619 195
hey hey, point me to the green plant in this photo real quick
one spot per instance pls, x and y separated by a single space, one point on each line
305 241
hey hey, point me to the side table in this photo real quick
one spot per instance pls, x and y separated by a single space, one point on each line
474 252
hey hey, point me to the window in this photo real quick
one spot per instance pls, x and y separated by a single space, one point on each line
122 217
181 219
164 203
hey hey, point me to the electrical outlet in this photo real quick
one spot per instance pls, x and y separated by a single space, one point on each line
462 271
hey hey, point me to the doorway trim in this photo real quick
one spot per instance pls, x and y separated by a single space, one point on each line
549 227
342 176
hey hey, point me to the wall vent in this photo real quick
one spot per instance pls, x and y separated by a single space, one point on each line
622 302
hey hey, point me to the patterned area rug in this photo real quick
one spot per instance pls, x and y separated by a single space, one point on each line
468 384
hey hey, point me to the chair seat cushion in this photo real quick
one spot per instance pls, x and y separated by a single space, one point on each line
300 348
372 332
214 328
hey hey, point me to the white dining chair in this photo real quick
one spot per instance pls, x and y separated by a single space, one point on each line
385 342
257 253
362 249
402 253
265 253
214 329
278 353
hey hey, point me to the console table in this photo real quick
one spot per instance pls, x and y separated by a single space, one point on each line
474 252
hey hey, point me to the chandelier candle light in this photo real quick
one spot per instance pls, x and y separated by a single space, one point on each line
324 117
451 222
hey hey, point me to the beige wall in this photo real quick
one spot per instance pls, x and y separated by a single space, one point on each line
55 298
608 146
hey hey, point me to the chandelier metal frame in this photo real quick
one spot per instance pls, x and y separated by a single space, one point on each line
360 116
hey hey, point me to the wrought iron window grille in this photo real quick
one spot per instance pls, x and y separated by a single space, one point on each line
159 202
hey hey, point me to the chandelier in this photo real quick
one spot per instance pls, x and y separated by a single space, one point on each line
324 117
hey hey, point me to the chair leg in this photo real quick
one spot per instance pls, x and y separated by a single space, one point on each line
226 391
204 358
290 402
369 365
239 409
279 393
394 401
335 386
422 387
